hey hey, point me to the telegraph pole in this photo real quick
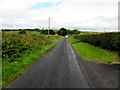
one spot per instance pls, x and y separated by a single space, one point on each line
49 27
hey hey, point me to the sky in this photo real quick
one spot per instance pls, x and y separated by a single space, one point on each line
93 15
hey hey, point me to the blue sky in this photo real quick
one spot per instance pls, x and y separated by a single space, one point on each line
96 14
44 5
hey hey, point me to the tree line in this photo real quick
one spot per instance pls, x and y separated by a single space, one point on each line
61 31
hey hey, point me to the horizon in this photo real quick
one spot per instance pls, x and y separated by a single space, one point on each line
82 30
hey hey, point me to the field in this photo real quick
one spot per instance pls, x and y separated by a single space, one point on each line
21 50
94 53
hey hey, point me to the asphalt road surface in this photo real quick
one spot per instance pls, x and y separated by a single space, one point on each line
62 67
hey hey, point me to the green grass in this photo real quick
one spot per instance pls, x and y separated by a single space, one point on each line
14 65
90 52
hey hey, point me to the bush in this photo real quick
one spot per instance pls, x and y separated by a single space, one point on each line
14 44
105 40
22 32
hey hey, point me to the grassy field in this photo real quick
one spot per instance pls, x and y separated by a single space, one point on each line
90 52
20 51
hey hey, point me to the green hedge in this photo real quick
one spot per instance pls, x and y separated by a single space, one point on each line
15 43
105 40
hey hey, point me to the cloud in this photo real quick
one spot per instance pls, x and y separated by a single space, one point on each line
64 13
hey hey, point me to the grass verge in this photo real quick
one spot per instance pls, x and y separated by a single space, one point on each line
90 52
12 70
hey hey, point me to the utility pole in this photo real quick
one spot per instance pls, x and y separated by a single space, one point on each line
49 27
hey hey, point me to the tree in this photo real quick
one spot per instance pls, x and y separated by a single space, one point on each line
52 32
62 32
74 31
36 29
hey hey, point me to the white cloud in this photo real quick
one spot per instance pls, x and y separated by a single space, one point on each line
69 14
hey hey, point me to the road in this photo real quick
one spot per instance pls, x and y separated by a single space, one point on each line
62 67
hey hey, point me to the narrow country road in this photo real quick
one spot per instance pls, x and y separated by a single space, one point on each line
62 67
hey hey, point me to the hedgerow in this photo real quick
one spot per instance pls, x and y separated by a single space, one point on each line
105 40
13 44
